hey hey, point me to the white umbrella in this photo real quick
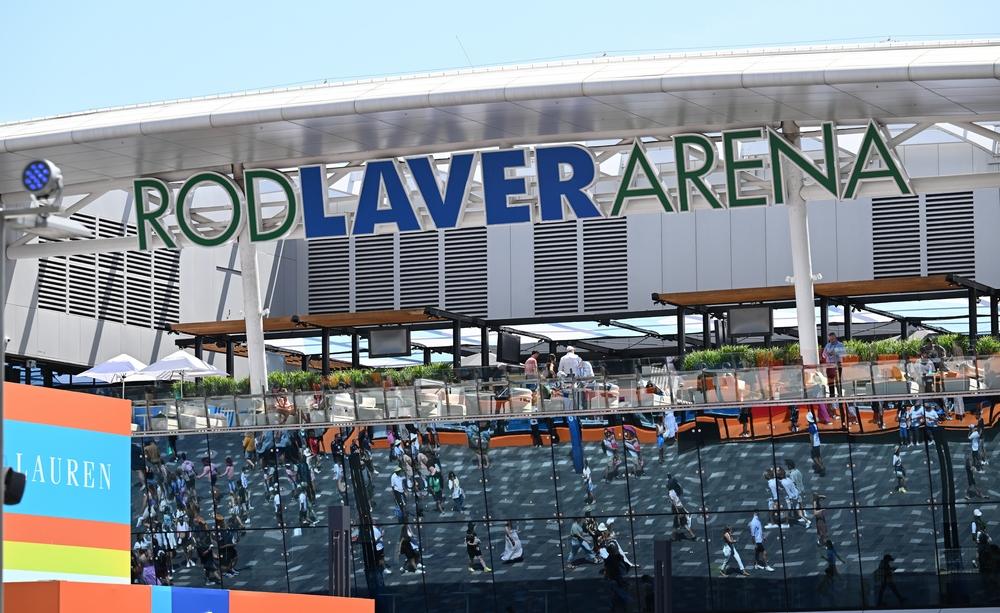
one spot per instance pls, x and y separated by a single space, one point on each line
118 368
180 365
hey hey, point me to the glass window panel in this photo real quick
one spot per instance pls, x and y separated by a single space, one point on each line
823 472
963 554
520 480
454 576
528 571
907 534
815 577
880 481
258 557
587 588
735 454
691 573
741 580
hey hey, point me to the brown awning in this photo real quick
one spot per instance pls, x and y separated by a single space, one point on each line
316 321
840 289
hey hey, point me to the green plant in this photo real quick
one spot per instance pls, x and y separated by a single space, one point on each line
792 353
218 386
954 344
864 350
704 358
184 388
910 348
987 345
242 386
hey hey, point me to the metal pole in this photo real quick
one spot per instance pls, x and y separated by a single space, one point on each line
253 312
456 344
681 337
798 228
484 346
824 318
903 329
199 347
355 350
427 356
994 315
325 340
973 319
230 358
706 331
305 363
847 319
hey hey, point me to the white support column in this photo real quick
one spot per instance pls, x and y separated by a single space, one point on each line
798 227
252 309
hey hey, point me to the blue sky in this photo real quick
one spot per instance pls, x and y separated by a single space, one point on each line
85 55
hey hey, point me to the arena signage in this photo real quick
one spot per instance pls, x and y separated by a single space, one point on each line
564 174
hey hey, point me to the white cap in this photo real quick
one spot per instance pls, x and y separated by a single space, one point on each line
809 417
570 349
977 513
602 526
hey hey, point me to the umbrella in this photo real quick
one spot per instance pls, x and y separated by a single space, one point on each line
118 368
476 359
180 365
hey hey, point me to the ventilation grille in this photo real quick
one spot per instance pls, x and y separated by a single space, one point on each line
896 236
374 272
556 252
465 271
329 274
605 267
418 269
951 246
140 288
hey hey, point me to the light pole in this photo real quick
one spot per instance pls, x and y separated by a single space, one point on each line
43 180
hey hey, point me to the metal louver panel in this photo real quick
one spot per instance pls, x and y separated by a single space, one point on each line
135 288
465 261
418 269
374 272
605 265
329 275
896 236
951 246
556 253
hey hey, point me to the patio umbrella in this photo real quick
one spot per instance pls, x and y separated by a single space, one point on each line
118 368
180 365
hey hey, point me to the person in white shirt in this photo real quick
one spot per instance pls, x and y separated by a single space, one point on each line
570 362
772 503
378 536
759 552
398 483
793 497
974 440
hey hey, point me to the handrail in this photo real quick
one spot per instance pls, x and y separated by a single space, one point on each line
517 397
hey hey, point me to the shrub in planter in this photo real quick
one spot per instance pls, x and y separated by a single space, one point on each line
863 350
987 345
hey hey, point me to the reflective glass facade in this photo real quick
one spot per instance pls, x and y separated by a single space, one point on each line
854 491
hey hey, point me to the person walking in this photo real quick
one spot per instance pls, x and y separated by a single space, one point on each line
473 550
588 485
898 471
435 485
819 518
830 574
730 553
975 438
578 541
903 417
972 491
885 577
410 550
759 551
793 498
457 493
512 549
815 453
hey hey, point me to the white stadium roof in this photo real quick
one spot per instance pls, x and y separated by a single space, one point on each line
613 97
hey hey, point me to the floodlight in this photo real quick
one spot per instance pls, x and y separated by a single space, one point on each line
52 227
42 178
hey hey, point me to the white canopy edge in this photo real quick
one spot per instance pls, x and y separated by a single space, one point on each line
614 76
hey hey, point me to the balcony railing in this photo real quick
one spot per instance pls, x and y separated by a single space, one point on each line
652 388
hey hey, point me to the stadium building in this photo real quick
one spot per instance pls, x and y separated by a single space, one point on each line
664 226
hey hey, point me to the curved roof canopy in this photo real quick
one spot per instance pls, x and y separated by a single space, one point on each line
614 97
